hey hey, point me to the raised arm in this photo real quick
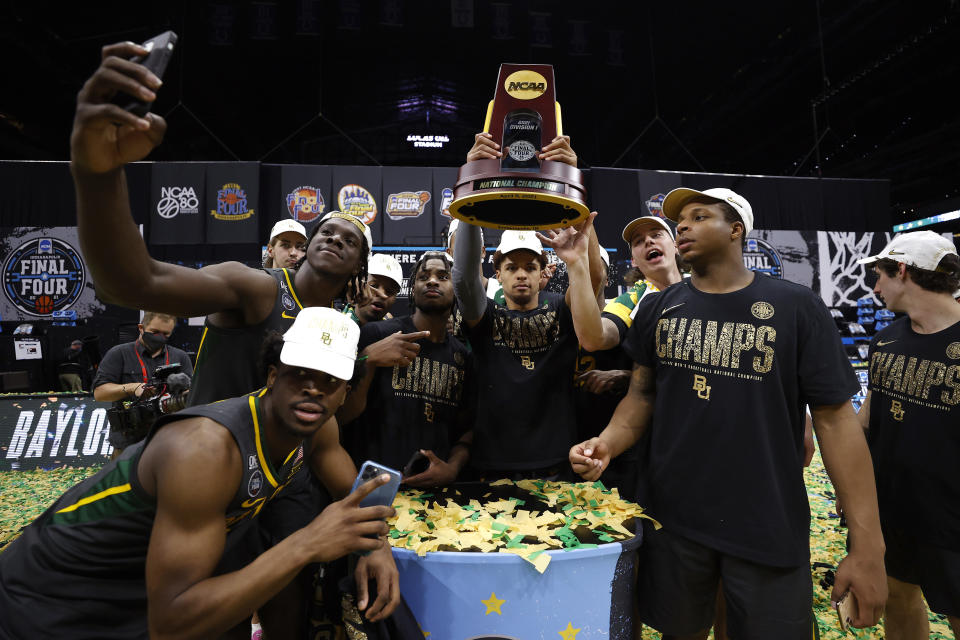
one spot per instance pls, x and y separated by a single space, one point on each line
467 282
573 247
121 268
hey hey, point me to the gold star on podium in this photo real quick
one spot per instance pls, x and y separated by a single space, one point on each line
493 604
569 633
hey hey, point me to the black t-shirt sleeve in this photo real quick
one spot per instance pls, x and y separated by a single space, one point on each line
373 332
622 327
638 343
825 374
111 367
482 325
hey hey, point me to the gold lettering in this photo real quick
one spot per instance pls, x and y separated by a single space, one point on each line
675 338
662 326
893 375
952 379
700 386
934 376
742 341
897 410
716 351
884 360
764 333
428 411
913 376
527 362
692 343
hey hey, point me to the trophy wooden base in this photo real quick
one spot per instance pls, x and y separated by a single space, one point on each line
550 198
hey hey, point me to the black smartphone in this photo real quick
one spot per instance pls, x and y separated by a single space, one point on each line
418 463
161 50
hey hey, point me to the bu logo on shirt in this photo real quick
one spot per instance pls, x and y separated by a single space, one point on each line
527 362
428 411
326 338
897 410
700 386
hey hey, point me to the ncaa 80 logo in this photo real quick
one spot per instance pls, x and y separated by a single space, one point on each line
175 200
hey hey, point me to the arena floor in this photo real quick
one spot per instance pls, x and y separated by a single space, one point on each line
25 494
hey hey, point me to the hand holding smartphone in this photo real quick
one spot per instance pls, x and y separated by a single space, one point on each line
846 610
382 495
161 50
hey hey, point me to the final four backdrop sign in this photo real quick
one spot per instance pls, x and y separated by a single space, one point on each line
43 272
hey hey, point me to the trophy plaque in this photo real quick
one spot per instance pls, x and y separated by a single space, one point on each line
518 190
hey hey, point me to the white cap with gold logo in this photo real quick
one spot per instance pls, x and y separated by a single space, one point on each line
922 249
512 240
322 339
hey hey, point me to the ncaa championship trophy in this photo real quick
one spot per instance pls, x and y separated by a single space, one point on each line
519 191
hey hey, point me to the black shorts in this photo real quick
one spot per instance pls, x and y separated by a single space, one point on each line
935 570
677 591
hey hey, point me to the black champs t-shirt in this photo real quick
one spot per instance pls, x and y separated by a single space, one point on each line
420 406
525 415
733 374
914 432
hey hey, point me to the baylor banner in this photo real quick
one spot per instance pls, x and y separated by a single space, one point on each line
49 432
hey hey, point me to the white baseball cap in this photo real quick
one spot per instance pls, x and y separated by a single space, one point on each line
922 249
676 199
605 257
322 339
284 226
380 264
354 220
632 226
512 240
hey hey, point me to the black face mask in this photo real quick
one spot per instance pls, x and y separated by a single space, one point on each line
153 341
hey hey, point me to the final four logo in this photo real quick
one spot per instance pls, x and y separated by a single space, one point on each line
43 275
655 205
407 204
359 202
760 256
305 204
232 203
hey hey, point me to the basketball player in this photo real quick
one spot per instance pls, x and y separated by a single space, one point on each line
154 543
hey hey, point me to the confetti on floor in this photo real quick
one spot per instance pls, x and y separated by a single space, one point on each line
24 495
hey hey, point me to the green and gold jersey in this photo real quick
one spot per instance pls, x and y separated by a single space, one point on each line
623 308
78 570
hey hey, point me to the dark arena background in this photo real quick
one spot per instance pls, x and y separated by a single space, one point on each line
836 120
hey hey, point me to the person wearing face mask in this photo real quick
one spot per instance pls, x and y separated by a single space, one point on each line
127 368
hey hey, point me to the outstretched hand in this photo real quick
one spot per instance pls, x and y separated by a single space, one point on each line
590 458
571 243
105 136
397 349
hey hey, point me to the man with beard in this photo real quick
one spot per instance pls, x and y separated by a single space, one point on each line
419 404
153 544
725 362
241 304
